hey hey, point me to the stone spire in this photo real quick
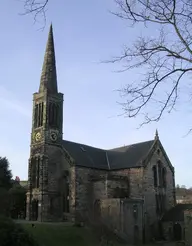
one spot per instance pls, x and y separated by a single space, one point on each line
156 135
48 80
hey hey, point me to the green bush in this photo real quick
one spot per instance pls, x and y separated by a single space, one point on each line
12 234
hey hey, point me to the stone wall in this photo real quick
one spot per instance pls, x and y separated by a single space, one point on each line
149 191
51 190
168 230
188 227
57 165
135 177
92 185
125 217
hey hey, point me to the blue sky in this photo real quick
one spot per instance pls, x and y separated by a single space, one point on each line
85 33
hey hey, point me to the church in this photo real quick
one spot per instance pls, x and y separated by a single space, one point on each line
129 187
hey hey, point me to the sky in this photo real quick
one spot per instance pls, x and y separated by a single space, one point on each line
85 34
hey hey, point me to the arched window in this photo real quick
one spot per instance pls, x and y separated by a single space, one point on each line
155 175
164 177
38 115
50 114
53 114
35 170
58 116
159 167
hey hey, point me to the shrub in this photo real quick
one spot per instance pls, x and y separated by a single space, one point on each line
12 234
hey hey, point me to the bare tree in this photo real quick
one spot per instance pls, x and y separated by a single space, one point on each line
37 8
165 57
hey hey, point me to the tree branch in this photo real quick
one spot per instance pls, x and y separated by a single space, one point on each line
37 8
165 58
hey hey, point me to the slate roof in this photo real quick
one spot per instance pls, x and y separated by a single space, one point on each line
113 159
176 213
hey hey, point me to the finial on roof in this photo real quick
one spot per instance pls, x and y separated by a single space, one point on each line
49 75
156 135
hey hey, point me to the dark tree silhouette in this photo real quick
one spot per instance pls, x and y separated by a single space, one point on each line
165 54
5 174
5 185
17 200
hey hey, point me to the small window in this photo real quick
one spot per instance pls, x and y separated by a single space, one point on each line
158 151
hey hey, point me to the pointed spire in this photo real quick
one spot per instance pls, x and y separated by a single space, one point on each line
49 75
156 135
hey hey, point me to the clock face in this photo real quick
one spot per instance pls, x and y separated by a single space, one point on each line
53 136
38 136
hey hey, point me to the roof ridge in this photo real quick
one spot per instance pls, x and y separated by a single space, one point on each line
152 140
124 146
121 158
81 144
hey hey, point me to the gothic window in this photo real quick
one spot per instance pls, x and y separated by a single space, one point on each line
53 115
161 174
41 113
50 114
35 169
159 166
58 116
38 116
160 203
164 177
33 173
155 175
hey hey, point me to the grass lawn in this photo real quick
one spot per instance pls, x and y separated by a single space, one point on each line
60 235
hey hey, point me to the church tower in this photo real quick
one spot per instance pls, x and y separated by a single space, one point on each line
46 141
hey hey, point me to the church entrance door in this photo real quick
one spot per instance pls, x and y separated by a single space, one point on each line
177 232
35 204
